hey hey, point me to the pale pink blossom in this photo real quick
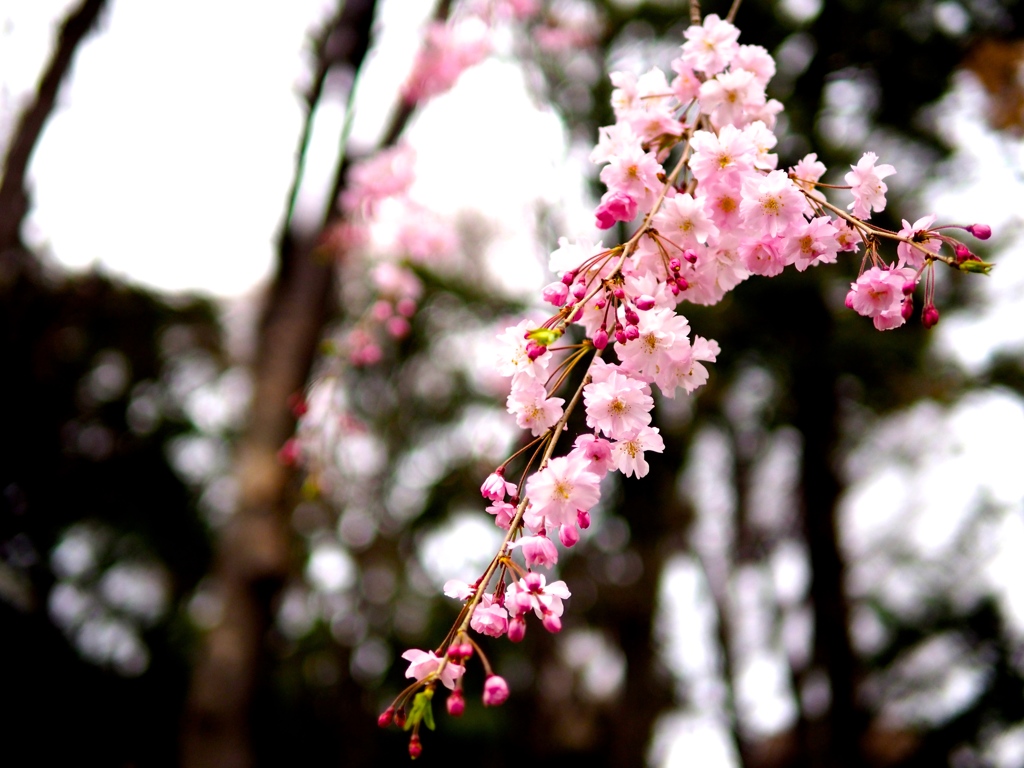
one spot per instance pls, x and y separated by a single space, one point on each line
533 593
495 691
618 405
530 404
537 550
448 50
556 492
685 221
489 618
422 664
918 232
711 46
772 204
878 294
867 186
629 452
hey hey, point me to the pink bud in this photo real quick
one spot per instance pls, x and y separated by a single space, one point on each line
583 518
556 294
552 623
645 302
568 277
381 310
535 350
579 290
908 287
690 256
456 703
963 253
406 307
568 535
516 629
495 691
632 318
466 650
618 293
929 316
980 231
632 332
849 300
494 487
400 718
534 581
675 264
681 282
601 338
398 327
386 717
674 288
415 748
620 335
908 308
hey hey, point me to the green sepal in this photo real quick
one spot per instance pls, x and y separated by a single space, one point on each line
421 710
970 265
545 336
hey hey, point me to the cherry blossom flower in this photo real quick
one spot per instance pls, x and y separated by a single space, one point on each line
424 663
911 256
711 46
867 186
564 486
489 618
629 452
530 404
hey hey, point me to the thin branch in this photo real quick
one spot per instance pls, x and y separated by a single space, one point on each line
13 194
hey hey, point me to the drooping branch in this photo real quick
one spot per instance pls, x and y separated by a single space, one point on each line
13 193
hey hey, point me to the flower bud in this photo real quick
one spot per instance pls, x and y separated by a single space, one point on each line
681 282
908 308
690 256
556 294
386 717
632 332
963 253
601 338
645 302
929 316
583 518
400 718
568 535
675 264
552 623
620 335
456 703
980 231
909 286
632 318
618 293
568 277
415 748
495 691
535 350
579 290
516 629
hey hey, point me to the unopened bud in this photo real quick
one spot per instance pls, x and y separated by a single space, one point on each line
681 282
400 718
908 287
908 308
552 623
675 264
516 629
632 318
495 691
415 748
620 335
579 290
690 256
980 231
601 338
644 302
929 316
535 350
568 535
568 277
583 518
632 332
456 703
618 293
963 253
387 717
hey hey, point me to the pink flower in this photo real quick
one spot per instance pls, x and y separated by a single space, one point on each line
495 487
495 691
867 186
537 550
564 486
489 618
878 294
531 406
422 664
615 206
710 47
533 593
911 256
772 204
686 221
503 513
629 452
617 405
596 451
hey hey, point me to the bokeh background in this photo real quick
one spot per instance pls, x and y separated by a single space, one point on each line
824 568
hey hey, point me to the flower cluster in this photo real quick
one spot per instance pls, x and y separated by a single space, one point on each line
688 164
